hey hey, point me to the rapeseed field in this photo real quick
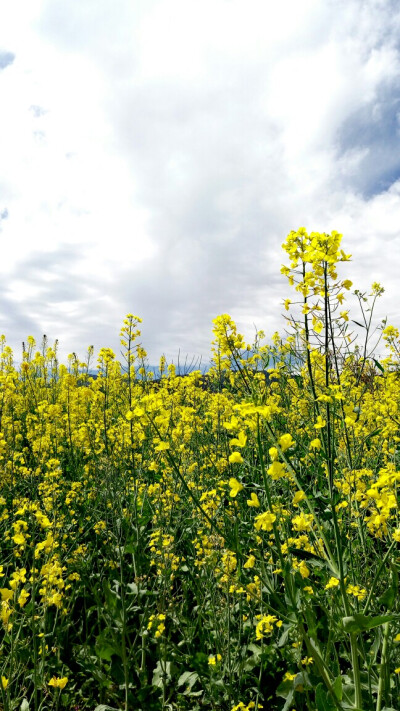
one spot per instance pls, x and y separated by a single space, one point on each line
226 542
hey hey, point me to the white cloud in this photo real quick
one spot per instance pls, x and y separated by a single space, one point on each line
155 157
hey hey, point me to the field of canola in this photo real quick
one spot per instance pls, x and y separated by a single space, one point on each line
226 543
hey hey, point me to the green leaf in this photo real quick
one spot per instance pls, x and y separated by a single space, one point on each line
24 705
309 557
358 323
387 599
105 648
289 701
161 673
130 549
323 700
389 596
358 623
285 635
338 688
188 679
381 368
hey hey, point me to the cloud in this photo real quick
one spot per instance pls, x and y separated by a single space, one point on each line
373 132
6 58
160 155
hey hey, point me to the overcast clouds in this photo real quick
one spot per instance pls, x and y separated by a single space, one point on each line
154 154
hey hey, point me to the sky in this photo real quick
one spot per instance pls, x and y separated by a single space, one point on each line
154 155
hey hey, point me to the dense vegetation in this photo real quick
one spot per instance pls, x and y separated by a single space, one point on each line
234 545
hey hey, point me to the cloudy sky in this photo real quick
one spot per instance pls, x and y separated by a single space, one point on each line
154 154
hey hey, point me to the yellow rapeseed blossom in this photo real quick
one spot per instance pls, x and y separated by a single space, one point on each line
213 659
235 487
299 496
58 682
286 441
236 458
253 501
320 423
265 625
250 562
289 676
264 521
302 522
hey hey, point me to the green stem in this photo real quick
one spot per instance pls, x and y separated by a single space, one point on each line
377 576
383 666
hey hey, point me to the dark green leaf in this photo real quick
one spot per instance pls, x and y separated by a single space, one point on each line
323 700
338 688
378 365
161 673
188 678
289 701
105 648
358 623
310 557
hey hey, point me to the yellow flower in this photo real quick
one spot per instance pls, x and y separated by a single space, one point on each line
4 682
23 597
57 682
6 594
273 453
250 562
289 677
286 441
265 625
235 486
299 496
236 458
303 522
359 593
162 447
19 576
213 659
264 521
253 501
315 443
397 638
239 441
277 470
319 423
390 332
304 571
377 288
333 583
